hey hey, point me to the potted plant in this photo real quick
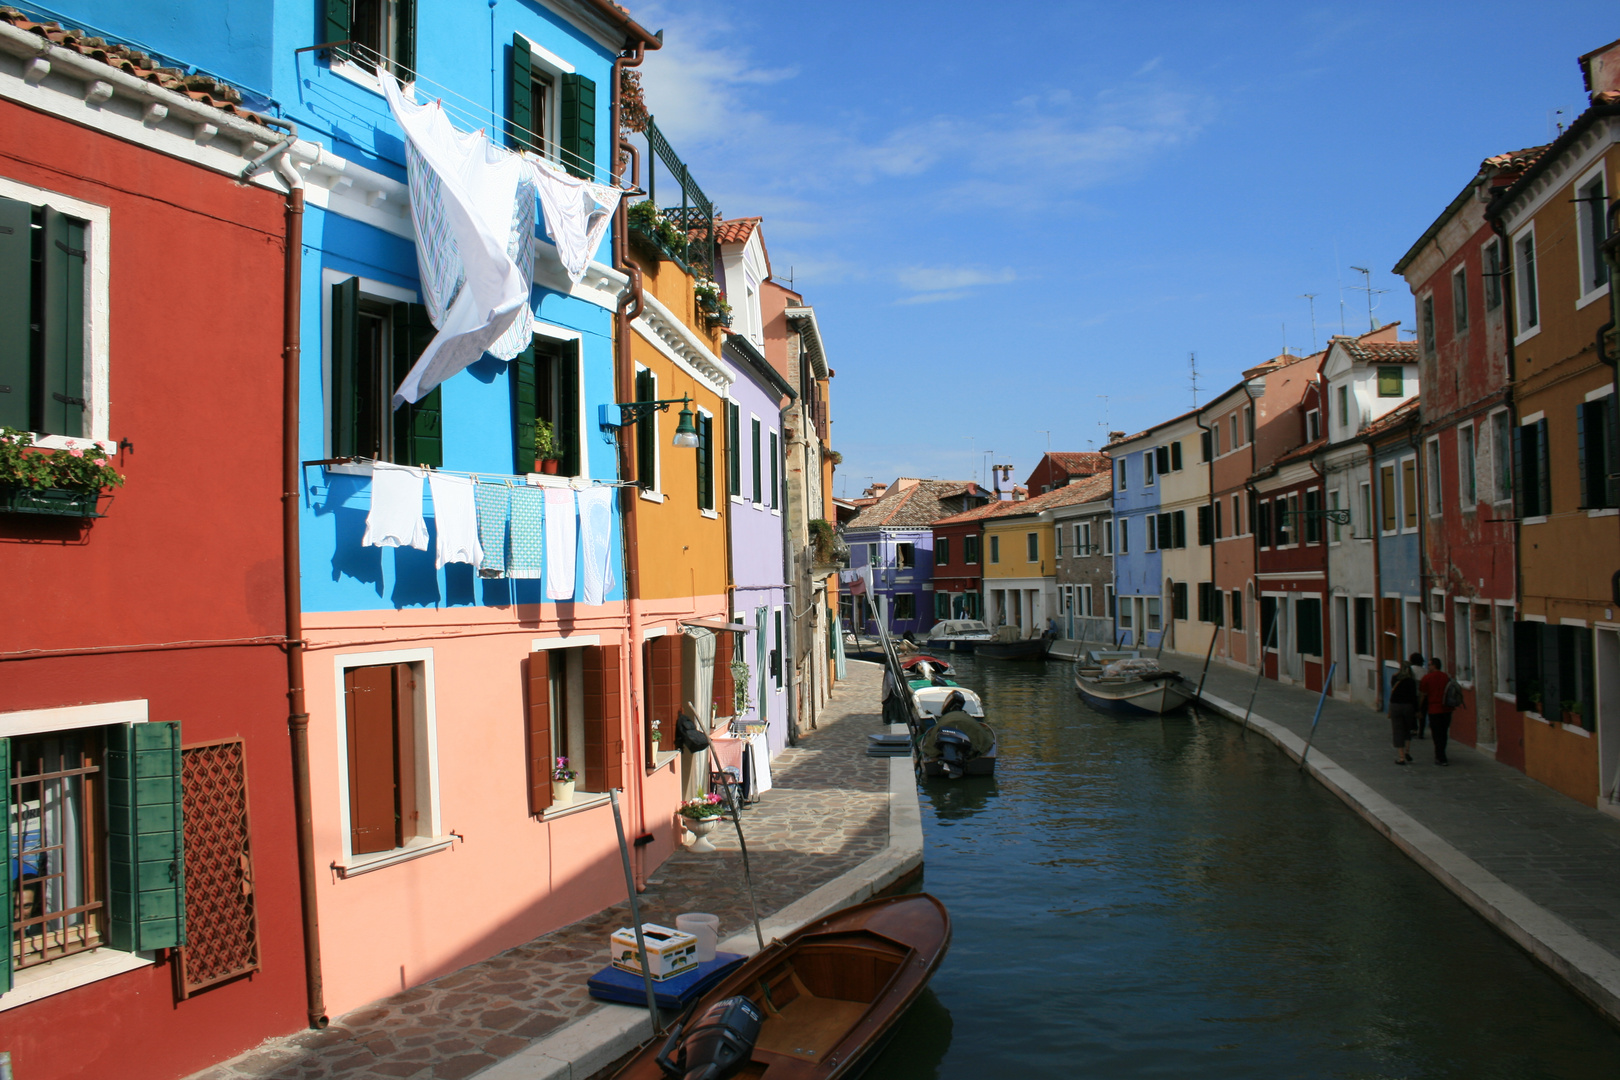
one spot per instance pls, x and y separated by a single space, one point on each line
562 783
66 482
546 450
1571 712
700 815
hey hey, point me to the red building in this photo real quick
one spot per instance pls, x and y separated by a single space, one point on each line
1455 270
959 561
154 920
1059 468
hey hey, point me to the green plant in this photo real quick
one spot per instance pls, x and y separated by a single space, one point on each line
703 807
561 773
823 537
739 684
1570 705
545 440
834 456
78 467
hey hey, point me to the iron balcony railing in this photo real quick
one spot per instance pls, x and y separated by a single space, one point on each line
693 218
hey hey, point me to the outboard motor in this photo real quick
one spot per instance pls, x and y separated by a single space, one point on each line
720 1044
955 749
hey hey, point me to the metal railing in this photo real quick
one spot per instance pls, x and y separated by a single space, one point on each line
693 218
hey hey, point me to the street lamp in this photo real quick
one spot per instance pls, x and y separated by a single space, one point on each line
633 412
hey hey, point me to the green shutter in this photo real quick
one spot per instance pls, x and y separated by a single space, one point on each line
16 313
1611 451
520 91
568 410
146 895
521 374
1586 500
63 391
345 365
418 428
646 456
405 46
758 493
733 449
577 136
5 830
1544 469
339 18
776 473
1518 472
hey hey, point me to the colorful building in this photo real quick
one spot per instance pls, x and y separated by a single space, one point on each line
1229 420
959 562
1398 518
1020 567
1059 468
1184 534
1138 573
1082 516
894 536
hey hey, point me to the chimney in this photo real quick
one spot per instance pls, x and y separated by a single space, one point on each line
1114 437
1601 70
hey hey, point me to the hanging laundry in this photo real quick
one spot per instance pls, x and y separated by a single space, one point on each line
528 533
562 521
595 536
472 196
577 214
455 517
396 508
494 503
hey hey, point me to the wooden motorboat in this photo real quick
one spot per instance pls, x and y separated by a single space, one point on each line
1136 685
960 761
958 635
824 998
937 666
1020 649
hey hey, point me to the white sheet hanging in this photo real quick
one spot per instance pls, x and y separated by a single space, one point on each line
396 508
577 214
477 186
562 522
455 517
595 536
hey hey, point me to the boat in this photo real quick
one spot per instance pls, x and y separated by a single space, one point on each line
816 1005
937 666
958 635
954 757
1132 684
1007 645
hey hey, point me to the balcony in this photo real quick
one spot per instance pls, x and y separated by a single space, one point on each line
681 232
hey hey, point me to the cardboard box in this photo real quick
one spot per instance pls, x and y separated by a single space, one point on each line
669 952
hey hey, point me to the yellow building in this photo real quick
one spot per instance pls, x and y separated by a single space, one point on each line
1020 569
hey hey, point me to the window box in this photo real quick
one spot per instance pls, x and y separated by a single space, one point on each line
54 502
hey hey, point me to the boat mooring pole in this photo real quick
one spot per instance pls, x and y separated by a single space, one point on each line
635 916
1326 684
1260 672
736 819
1208 656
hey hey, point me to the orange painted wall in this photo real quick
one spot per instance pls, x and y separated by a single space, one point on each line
1561 759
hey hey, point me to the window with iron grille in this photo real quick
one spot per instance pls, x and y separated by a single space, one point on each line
222 922
59 873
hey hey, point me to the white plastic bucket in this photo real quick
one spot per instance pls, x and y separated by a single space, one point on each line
704 927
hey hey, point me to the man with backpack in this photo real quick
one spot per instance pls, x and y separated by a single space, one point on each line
1439 696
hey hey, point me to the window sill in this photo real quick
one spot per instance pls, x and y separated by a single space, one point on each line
662 758
70 972
348 69
587 802
712 515
536 479
68 442
1609 511
1539 519
1527 335
652 496
1595 295
415 849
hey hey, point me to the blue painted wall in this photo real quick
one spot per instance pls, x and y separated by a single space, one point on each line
1137 572
890 580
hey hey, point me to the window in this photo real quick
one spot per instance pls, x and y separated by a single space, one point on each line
733 450
1524 274
1217 529
1531 468
1082 539
872 558
1178 600
1313 425
1125 536
1426 325
905 556
905 606
381 33
1308 626
1233 423
1503 638
1491 256
1153 531
1286 527
1553 672
970 550
1591 211
1264 523
1344 406
1237 514
1120 468
705 461
647 433
1206 445
1124 610
942 552
776 473
1178 529
552 110
1215 435
1463 665
1595 434
1175 456
1432 456
759 473
995 549
942 606
1057 541
1206 531
1364 626
1366 511
663 690
1150 461
385 810
1467 480
375 342
1390 625
1313 516
776 648
1502 456
1209 603
1154 613
1409 501
1032 545
1087 604
1391 381
1248 423
545 386
1108 536
1459 300
1335 529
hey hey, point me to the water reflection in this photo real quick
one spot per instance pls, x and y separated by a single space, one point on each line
1166 897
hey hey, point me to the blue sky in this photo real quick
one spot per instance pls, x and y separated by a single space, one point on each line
1015 220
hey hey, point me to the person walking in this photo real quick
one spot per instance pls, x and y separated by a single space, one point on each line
1403 703
1437 693
1417 666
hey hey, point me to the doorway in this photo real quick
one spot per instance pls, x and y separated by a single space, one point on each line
1608 717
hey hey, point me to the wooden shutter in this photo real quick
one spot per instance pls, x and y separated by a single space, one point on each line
776 472
725 687
577 121
405 46
604 741
1161 459
520 92
16 314
758 492
1611 451
1543 470
664 686
406 812
704 458
345 366
62 326
6 906
733 449
520 373
1205 533
1386 490
539 678
369 700
1586 501
339 20
1175 455
222 922
1526 662
418 428
567 425
646 453
146 863
776 653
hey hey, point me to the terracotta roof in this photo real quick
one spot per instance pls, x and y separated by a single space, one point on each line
1156 427
1081 462
1406 410
1515 159
204 89
978 513
735 230
1378 352
1301 452
915 506
1092 488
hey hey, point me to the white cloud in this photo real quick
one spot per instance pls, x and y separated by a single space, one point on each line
935 278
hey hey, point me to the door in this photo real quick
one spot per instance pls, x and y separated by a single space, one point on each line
1484 688
1608 716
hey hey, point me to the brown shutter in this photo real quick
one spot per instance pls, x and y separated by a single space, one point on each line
604 739
405 753
540 732
725 693
370 701
664 686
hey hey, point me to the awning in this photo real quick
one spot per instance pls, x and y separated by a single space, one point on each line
717 624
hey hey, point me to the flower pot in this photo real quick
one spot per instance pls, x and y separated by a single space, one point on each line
548 466
59 502
562 793
700 829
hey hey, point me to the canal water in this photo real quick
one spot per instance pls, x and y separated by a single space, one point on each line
1165 898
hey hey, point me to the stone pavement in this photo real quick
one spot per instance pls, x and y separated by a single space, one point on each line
826 813
1558 854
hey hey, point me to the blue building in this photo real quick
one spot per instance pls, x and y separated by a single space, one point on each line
895 538
1398 519
1139 616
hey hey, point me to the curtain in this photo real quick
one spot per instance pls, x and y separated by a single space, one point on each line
697 658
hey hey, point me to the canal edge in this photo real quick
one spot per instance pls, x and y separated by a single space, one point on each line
1585 966
596 1042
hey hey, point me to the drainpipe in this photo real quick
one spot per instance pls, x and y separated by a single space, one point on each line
790 576
297 711
1376 528
1209 477
1611 253
1510 317
1254 537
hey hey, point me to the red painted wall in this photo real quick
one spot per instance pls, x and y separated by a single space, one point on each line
190 550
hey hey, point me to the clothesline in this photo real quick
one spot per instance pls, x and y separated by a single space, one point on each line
578 483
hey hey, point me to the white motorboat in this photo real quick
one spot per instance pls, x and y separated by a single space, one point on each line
1132 684
958 635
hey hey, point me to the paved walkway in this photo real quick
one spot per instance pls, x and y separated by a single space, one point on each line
1557 854
826 813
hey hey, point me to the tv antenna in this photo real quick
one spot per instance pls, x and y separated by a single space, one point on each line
1192 376
1370 291
1048 435
1103 423
1312 298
